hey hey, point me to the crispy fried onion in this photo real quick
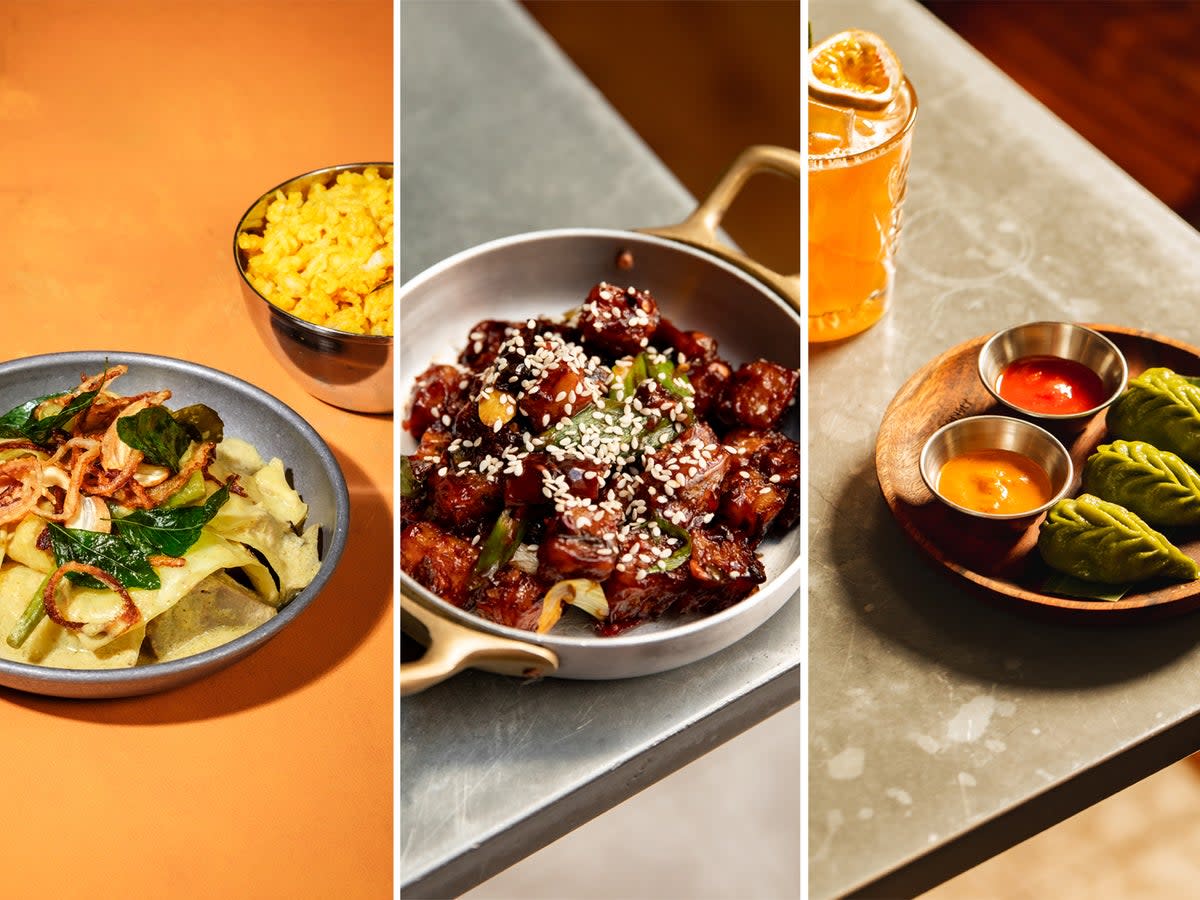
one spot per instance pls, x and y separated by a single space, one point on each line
129 615
86 383
167 562
129 493
107 487
75 443
20 487
71 499
19 444
234 484
107 408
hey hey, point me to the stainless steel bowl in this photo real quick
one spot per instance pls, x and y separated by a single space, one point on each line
550 271
248 413
351 371
1062 339
997 433
699 282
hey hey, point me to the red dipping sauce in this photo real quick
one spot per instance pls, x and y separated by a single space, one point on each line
1051 385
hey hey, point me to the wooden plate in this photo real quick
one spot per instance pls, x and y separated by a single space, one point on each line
1001 558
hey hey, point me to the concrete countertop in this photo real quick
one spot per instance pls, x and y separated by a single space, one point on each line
500 134
944 729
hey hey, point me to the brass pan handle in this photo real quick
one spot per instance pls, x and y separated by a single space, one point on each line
700 228
452 647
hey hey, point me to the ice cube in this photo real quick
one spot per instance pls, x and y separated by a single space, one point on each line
830 128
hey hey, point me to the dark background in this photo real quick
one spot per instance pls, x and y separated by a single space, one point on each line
701 79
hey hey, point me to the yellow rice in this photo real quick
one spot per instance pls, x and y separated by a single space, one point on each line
319 257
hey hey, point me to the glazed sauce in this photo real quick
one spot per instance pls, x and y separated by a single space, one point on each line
1051 385
994 481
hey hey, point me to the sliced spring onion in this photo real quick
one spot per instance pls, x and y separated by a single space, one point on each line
635 375
592 415
663 433
681 554
665 372
408 482
500 545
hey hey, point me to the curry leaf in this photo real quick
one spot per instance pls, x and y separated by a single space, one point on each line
165 530
201 422
20 421
124 553
109 552
155 432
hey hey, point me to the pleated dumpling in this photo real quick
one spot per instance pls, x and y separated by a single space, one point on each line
1098 541
1162 408
1156 484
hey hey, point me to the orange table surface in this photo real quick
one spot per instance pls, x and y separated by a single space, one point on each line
132 138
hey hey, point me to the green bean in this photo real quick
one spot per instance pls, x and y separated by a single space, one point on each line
34 613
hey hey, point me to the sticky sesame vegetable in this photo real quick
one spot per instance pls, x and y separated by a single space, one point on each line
566 458
496 408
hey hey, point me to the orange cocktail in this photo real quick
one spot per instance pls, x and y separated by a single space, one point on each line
859 141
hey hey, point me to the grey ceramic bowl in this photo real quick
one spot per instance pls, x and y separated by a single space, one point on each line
351 371
248 413
1063 339
997 433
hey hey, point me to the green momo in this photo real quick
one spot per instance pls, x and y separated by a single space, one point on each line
1162 408
1156 484
1098 541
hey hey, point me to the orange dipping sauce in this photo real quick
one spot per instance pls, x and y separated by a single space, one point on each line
994 481
1051 385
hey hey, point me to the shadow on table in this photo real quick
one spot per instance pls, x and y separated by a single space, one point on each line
939 616
337 621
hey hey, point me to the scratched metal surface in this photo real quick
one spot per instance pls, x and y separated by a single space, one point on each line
943 729
499 134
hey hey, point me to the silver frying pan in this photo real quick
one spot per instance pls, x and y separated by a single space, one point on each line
700 283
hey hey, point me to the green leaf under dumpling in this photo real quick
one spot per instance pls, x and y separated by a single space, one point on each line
1162 408
1156 484
1100 541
